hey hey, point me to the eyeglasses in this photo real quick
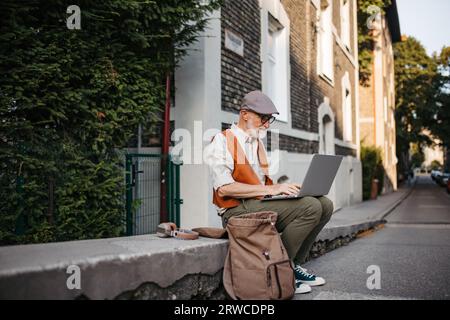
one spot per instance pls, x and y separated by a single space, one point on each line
264 117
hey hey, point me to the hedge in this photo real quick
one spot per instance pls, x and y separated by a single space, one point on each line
69 99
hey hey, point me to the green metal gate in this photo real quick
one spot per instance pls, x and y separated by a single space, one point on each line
143 192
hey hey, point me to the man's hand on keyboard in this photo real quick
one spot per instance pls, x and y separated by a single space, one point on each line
284 188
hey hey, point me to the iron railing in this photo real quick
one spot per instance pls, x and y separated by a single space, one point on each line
143 191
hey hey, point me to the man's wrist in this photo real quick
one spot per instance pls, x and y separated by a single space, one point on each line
268 190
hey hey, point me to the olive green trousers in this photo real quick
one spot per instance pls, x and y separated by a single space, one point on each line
299 220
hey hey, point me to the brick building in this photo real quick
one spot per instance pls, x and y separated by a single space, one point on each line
377 121
303 54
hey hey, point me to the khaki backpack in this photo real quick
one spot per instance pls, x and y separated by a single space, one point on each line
257 265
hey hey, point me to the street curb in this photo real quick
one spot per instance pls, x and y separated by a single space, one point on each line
396 204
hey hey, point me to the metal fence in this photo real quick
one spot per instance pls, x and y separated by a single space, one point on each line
143 191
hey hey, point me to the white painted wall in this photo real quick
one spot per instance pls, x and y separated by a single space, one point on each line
295 165
198 99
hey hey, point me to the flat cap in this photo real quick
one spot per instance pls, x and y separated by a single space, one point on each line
258 102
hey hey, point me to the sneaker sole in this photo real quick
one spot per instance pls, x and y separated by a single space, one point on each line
297 291
314 283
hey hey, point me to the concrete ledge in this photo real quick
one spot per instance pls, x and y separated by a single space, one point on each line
148 267
108 267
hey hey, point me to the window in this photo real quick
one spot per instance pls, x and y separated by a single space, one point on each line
274 60
347 115
275 56
325 50
345 22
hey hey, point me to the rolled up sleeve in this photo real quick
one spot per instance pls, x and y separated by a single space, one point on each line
219 161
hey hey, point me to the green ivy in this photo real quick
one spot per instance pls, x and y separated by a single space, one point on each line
365 37
70 99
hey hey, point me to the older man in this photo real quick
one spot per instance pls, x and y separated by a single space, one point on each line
240 172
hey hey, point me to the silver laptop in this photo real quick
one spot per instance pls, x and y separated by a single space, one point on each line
318 179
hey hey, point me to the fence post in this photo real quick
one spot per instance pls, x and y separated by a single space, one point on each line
129 196
178 201
169 184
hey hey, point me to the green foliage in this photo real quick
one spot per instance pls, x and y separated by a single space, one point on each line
365 36
372 168
69 99
439 122
417 159
435 165
416 86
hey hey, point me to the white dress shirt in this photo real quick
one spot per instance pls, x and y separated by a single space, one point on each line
220 160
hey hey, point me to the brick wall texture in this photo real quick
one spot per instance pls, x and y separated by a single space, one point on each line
308 89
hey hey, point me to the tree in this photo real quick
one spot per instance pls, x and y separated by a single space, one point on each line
417 159
439 122
69 99
435 165
415 85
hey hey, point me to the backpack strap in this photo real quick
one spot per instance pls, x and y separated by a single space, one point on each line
208 232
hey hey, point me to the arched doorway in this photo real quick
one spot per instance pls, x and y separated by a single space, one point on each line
327 136
326 128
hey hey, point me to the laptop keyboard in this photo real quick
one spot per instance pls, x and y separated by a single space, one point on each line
282 196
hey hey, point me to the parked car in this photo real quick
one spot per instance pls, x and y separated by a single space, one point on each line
434 174
443 179
448 186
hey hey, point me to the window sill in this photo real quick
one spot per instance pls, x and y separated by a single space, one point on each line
326 79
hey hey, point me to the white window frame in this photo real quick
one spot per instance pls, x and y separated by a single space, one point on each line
325 43
345 23
276 82
347 113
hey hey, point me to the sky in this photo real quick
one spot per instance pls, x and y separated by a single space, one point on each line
426 20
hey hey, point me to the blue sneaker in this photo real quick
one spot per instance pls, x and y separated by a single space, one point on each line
304 277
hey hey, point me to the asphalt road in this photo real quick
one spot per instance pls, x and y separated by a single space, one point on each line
411 253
